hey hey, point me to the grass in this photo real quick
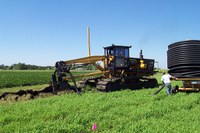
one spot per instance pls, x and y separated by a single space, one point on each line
13 78
122 111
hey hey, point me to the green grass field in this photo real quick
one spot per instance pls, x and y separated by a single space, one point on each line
13 78
121 111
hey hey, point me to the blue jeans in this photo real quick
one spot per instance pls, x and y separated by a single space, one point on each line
168 88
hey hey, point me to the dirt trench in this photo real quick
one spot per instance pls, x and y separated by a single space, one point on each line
23 95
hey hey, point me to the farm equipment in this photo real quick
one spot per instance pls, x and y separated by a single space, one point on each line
183 63
117 70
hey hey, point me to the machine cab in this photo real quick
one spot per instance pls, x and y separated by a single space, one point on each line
117 57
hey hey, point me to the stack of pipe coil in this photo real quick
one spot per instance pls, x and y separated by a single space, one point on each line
183 59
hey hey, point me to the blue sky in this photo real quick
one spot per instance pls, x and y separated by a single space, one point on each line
42 32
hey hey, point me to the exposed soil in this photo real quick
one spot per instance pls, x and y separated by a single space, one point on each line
23 95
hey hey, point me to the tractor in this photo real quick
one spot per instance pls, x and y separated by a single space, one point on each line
116 70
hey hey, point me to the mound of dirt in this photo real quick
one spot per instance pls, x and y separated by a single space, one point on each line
23 95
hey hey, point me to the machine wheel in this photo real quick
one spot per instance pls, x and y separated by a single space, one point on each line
153 83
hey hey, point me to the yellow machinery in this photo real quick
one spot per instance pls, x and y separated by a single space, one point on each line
117 70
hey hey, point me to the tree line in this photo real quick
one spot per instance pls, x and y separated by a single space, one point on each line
23 66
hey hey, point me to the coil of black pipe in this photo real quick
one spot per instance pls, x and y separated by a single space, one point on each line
183 59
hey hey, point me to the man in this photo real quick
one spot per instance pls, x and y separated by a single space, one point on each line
166 80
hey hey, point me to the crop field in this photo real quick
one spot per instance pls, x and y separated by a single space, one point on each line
121 111
13 78
23 78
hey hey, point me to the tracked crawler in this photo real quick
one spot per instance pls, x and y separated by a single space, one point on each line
117 70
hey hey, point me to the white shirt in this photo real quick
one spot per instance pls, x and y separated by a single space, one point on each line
166 78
